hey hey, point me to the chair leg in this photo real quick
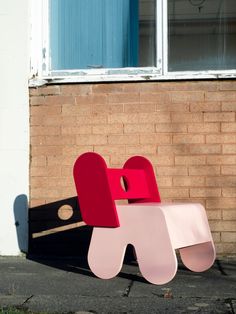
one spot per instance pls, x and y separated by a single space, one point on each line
157 260
199 257
106 252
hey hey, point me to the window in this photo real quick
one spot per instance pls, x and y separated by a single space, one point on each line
202 35
133 39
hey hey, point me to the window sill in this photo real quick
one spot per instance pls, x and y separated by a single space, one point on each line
124 75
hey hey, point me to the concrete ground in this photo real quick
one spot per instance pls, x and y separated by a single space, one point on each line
68 286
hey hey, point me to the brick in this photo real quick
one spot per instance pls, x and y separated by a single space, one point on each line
37 101
155 138
205 192
59 100
188 138
108 129
223 181
172 171
214 214
205 149
161 160
41 182
46 130
76 150
38 161
229 192
182 107
188 181
45 192
222 203
158 97
139 128
59 140
140 149
164 181
228 236
203 127
76 89
124 98
204 170
186 117
221 96
107 108
186 96
190 160
61 160
221 160
108 88
50 90
221 138
123 139
171 128
229 214
228 85
219 117
91 139
73 130
142 107
45 171
81 109
228 127
91 99
230 170
46 150
110 149
139 118
229 106
92 119
173 149
55 120
205 106
37 140
220 225
174 192
45 110
229 148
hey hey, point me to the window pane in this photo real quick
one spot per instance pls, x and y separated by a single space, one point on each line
101 33
202 35
147 33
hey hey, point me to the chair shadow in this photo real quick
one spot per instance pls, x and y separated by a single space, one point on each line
66 250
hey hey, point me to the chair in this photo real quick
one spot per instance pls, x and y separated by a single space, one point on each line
155 229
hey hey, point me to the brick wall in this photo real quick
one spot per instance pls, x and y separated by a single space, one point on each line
186 129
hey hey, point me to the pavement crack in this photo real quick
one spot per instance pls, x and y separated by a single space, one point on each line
27 300
127 290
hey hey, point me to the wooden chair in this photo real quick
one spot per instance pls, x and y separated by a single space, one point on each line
155 229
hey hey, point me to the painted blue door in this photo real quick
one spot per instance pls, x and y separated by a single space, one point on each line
93 34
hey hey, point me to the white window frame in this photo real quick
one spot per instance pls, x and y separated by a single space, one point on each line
40 61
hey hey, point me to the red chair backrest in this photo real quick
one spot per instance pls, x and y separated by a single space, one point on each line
98 187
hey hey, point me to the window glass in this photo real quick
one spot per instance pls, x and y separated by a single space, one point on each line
147 33
201 35
87 34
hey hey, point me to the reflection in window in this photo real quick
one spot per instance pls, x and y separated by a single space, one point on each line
201 35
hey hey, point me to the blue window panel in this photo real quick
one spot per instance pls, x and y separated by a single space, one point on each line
93 34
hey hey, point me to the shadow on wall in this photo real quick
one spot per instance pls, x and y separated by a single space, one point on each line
21 221
56 229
